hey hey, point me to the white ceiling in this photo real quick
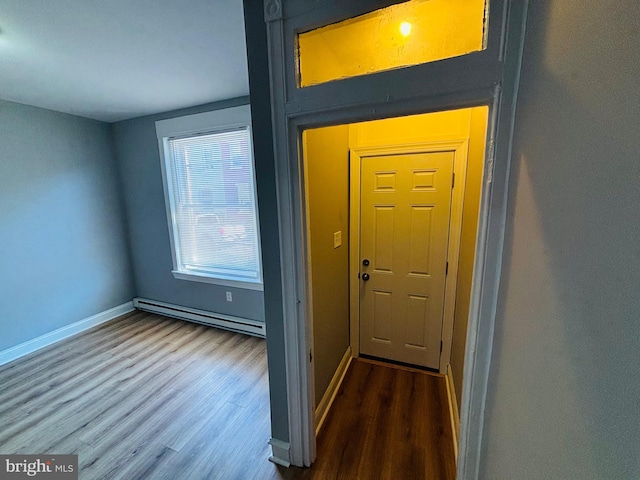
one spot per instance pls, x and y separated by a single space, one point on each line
116 59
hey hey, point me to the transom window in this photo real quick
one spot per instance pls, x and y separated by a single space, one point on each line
409 33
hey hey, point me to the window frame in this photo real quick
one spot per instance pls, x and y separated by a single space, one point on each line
217 121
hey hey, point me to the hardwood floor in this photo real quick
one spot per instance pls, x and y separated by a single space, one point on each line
386 423
148 397
141 397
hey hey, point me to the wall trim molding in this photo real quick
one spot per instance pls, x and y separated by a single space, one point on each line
332 389
280 452
454 413
228 322
30 346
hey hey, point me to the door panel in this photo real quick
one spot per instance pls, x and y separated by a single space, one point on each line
417 320
384 226
382 310
420 231
405 209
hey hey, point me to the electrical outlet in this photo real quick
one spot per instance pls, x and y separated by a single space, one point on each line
229 297
337 239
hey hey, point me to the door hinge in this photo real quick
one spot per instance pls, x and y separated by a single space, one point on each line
446 270
310 356
440 346
453 179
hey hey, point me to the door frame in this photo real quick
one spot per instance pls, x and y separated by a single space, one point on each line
489 77
460 149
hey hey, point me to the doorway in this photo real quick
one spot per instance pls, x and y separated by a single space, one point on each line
485 77
436 232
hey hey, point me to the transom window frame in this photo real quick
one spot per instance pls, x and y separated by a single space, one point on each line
437 77
200 124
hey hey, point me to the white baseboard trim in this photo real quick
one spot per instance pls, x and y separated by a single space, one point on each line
228 322
280 452
454 413
67 331
332 390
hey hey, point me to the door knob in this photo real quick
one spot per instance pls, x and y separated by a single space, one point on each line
365 276
365 262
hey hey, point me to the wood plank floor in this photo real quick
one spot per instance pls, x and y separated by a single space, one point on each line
386 422
148 397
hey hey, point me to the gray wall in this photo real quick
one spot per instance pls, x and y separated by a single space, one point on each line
564 393
327 165
141 176
257 55
62 236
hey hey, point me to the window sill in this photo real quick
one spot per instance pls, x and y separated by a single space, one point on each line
194 277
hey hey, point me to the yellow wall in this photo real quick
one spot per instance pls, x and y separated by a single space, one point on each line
373 42
326 157
451 125
473 187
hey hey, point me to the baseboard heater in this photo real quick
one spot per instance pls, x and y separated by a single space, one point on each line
228 322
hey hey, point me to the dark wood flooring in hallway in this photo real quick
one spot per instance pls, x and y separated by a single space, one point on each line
386 422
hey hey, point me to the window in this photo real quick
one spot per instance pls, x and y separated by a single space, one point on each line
210 196
409 33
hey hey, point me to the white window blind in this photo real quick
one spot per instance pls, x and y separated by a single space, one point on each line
213 205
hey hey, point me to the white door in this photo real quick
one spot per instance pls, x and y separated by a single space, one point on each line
404 234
